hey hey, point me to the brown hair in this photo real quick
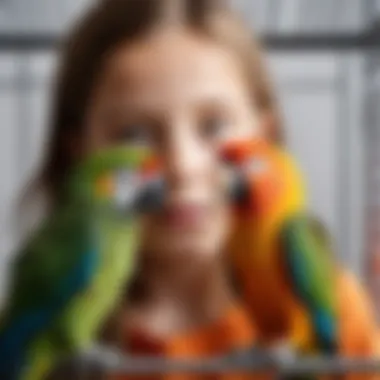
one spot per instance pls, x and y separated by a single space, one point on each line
112 22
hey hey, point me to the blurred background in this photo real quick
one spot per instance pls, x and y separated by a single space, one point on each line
324 56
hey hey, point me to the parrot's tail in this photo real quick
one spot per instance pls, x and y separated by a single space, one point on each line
14 343
24 364
326 331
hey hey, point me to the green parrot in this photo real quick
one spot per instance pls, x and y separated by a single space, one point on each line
71 273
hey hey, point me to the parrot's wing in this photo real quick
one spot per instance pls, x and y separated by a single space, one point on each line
53 267
310 267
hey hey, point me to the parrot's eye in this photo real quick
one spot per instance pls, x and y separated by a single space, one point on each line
256 166
127 187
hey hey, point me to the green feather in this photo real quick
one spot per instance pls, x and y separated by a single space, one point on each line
311 271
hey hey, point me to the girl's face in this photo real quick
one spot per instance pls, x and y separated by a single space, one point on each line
183 96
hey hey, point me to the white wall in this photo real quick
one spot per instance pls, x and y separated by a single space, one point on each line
8 147
372 202
289 16
322 101
274 15
39 15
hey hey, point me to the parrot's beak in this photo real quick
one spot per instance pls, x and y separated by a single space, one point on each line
152 196
137 190
233 155
238 188
138 193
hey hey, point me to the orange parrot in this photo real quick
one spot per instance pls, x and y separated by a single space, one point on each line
281 257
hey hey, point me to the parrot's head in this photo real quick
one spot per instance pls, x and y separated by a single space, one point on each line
121 179
264 178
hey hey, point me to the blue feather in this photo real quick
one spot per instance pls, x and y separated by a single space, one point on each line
14 341
326 329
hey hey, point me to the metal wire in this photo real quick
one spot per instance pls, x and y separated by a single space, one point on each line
114 362
272 41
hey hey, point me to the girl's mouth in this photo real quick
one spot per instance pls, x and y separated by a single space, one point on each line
186 215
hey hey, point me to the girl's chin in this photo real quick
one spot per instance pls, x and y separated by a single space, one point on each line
185 228
195 244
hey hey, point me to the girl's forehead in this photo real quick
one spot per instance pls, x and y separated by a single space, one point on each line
174 65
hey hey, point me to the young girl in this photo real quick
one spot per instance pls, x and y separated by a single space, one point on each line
181 76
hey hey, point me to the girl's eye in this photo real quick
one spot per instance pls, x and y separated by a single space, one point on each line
214 128
135 134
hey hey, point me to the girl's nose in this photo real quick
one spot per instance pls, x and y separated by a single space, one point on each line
188 160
